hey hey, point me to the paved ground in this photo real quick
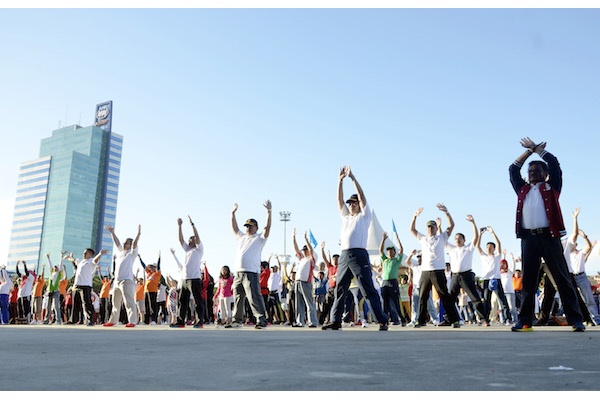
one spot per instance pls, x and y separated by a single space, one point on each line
151 358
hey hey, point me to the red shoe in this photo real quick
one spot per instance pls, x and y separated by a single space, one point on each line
108 324
130 326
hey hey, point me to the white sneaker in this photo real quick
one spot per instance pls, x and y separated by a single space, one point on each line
347 324
411 324
365 325
152 323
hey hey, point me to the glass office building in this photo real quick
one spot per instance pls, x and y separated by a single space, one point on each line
66 197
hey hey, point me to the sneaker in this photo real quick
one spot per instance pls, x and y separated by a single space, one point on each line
578 327
411 324
334 326
417 325
152 323
456 325
177 326
295 325
365 325
347 324
519 327
383 327
108 324
90 324
233 325
444 323
130 326
312 326
199 326
260 326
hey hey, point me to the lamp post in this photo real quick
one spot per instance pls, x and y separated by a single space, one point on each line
284 217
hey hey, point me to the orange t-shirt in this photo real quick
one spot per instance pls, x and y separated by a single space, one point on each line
152 282
105 291
139 292
62 286
517 283
38 287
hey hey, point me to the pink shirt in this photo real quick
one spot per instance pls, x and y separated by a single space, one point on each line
225 287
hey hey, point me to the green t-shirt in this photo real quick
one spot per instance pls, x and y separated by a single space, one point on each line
390 267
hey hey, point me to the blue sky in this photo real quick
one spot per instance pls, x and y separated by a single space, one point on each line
219 106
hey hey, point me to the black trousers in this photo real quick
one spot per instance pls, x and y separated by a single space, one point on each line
437 279
466 280
151 307
190 287
533 248
82 296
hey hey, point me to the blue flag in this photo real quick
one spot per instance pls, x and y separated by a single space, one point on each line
394 226
312 239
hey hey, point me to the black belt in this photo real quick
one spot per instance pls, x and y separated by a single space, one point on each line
581 273
536 231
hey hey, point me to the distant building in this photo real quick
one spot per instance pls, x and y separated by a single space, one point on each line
68 195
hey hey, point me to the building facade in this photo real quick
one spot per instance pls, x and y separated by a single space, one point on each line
67 196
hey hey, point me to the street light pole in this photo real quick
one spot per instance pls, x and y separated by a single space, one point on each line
284 217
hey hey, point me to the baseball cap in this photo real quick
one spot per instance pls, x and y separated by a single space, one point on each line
251 222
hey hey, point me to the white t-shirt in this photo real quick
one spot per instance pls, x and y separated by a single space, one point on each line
461 258
355 228
26 289
247 258
6 283
274 282
192 267
567 248
85 272
304 269
506 279
124 264
490 266
432 251
416 272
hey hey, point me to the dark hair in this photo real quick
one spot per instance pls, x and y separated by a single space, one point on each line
492 243
461 235
91 250
227 274
541 164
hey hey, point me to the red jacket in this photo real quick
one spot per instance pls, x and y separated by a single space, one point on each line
550 193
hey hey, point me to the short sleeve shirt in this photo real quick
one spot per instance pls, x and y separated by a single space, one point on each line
247 258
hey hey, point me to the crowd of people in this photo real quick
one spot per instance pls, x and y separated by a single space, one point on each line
435 284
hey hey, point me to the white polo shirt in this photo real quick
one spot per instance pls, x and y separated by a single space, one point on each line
355 228
192 267
490 266
247 257
124 264
432 251
461 258
85 272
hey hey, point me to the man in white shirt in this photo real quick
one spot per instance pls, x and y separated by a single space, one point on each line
25 290
82 284
6 285
124 283
433 265
461 261
247 269
305 303
490 260
354 261
191 278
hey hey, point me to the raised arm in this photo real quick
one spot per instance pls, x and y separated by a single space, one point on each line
196 236
142 261
588 244
382 244
413 221
180 232
400 247
499 245
340 190
444 209
575 233
475 230
362 200
234 224
115 239
268 206
17 267
478 244
325 258
176 260
295 242
137 238
158 262
308 245
99 255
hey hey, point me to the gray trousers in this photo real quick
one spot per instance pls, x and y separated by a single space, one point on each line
54 301
246 284
304 301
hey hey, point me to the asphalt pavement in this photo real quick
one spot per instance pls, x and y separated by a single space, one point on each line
159 358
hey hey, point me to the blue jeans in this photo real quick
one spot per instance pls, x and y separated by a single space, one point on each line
4 311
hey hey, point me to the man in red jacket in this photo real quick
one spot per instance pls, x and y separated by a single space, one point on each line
540 226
